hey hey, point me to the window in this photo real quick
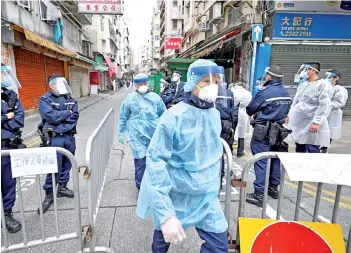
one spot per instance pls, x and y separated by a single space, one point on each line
24 3
43 11
174 24
86 48
102 24
175 3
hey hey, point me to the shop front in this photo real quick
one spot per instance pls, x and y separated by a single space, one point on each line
79 70
304 37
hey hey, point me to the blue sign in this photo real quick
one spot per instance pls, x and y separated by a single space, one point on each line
257 31
263 57
312 26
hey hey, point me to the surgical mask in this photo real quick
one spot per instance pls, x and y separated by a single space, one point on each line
143 89
6 83
208 93
175 78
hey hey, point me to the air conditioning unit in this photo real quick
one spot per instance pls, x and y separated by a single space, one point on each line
49 12
216 14
204 27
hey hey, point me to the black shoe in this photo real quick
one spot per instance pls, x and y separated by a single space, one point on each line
324 150
273 191
12 225
255 198
48 201
63 191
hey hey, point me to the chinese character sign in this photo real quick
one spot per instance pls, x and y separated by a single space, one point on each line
100 7
312 26
6 56
174 43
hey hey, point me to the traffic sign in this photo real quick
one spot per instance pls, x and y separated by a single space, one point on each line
257 31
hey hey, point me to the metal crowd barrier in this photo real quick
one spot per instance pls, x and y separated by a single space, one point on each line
270 156
98 151
77 234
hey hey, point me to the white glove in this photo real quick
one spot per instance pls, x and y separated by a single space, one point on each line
172 231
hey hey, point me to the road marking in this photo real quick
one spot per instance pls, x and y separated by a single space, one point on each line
271 213
332 194
322 197
320 218
33 142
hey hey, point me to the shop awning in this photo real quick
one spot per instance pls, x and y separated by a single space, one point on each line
208 49
111 67
100 67
87 60
37 39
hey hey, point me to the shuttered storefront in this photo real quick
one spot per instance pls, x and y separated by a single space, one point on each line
54 66
31 74
32 71
79 81
330 56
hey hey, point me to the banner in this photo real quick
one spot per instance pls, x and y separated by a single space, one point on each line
113 7
174 43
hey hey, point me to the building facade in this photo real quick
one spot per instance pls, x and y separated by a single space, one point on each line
40 38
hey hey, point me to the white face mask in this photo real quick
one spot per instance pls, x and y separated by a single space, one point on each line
175 78
209 93
143 89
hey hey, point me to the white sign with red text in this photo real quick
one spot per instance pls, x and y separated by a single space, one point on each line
113 7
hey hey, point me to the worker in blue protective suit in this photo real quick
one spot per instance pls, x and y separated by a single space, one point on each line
59 113
181 182
308 116
12 120
139 115
270 108
174 93
229 118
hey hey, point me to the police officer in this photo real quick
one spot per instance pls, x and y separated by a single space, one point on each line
59 113
226 107
175 92
270 108
12 120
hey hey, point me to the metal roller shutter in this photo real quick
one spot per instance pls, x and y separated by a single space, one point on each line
85 82
330 56
75 81
31 74
54 66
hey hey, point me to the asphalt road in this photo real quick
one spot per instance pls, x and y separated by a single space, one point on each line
118 226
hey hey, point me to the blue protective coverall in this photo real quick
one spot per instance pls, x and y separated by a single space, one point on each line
139 116
271 103
55 114
173 95
10 128
182 175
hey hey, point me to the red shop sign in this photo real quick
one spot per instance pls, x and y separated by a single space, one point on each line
174 43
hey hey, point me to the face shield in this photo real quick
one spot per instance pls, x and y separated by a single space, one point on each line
59 86
9 80
139 81
212 78
331 77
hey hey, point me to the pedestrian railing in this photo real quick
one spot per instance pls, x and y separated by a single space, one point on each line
98 151
26 243
269 156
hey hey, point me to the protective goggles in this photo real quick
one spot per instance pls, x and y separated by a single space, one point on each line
8 77
141 80
330 75
59 86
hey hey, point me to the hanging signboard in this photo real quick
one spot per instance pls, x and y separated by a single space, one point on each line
174 43
313 6
113 7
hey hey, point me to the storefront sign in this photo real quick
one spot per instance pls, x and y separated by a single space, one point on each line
100 7
315 6
312 26
6 56
174 43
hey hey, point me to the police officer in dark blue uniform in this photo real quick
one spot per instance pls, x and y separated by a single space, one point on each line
12 120
229 118
270 108
174 93
59 113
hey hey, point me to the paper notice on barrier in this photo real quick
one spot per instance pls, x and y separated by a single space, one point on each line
33 161
324 168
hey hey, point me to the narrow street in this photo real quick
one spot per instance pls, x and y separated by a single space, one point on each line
119 228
